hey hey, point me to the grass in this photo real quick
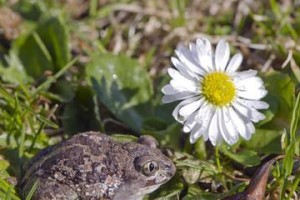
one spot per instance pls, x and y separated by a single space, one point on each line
69 66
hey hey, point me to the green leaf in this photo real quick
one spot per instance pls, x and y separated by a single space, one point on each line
45 49
3 164
46 84
281 89
271 111
167 137
14 72
80 114
245 157
64 90
195 192
122 86
265 141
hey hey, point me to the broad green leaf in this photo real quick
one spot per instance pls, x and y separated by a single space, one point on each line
122 86
195 192
3 164
245 157
271 111
265 141
46 48
281 89
80 114
63 89
167 137
14 72
46 84
30 10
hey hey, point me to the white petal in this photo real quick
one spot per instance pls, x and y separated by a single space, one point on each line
184 86
185 57
252 94
190 108
176 97
222 55
219 138
202 125
195 134
239 124
249 83
229 127
248 112
253 103
244 74
175 112
178 76
223 129
250 129
184 70
176 88
213 130
190 122
168 89
234 63
204 116
205 54
194 51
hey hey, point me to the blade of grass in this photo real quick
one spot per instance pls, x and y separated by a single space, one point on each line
293 146
18 120
41 128
42 46
295 119
11 100
7 195
32 190
5 187
294 186
93 8
52 79
295 68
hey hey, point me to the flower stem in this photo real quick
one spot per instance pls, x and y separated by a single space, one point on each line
218 159
219 167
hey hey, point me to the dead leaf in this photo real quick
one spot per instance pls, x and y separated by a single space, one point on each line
257 186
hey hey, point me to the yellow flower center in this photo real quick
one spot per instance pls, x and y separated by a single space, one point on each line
218 88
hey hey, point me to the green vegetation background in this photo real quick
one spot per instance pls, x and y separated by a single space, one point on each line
69 66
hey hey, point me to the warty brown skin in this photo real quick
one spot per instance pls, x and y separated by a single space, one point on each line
92 165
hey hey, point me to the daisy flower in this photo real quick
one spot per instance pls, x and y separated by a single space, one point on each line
218 102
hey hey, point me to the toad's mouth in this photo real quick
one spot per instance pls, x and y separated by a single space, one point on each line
147 190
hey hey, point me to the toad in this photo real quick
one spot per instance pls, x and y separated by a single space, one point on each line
93 165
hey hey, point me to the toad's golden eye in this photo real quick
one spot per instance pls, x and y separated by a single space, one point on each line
149 168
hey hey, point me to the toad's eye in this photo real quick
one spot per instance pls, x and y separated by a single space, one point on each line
149 168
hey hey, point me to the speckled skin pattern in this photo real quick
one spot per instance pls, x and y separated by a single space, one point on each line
92 165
